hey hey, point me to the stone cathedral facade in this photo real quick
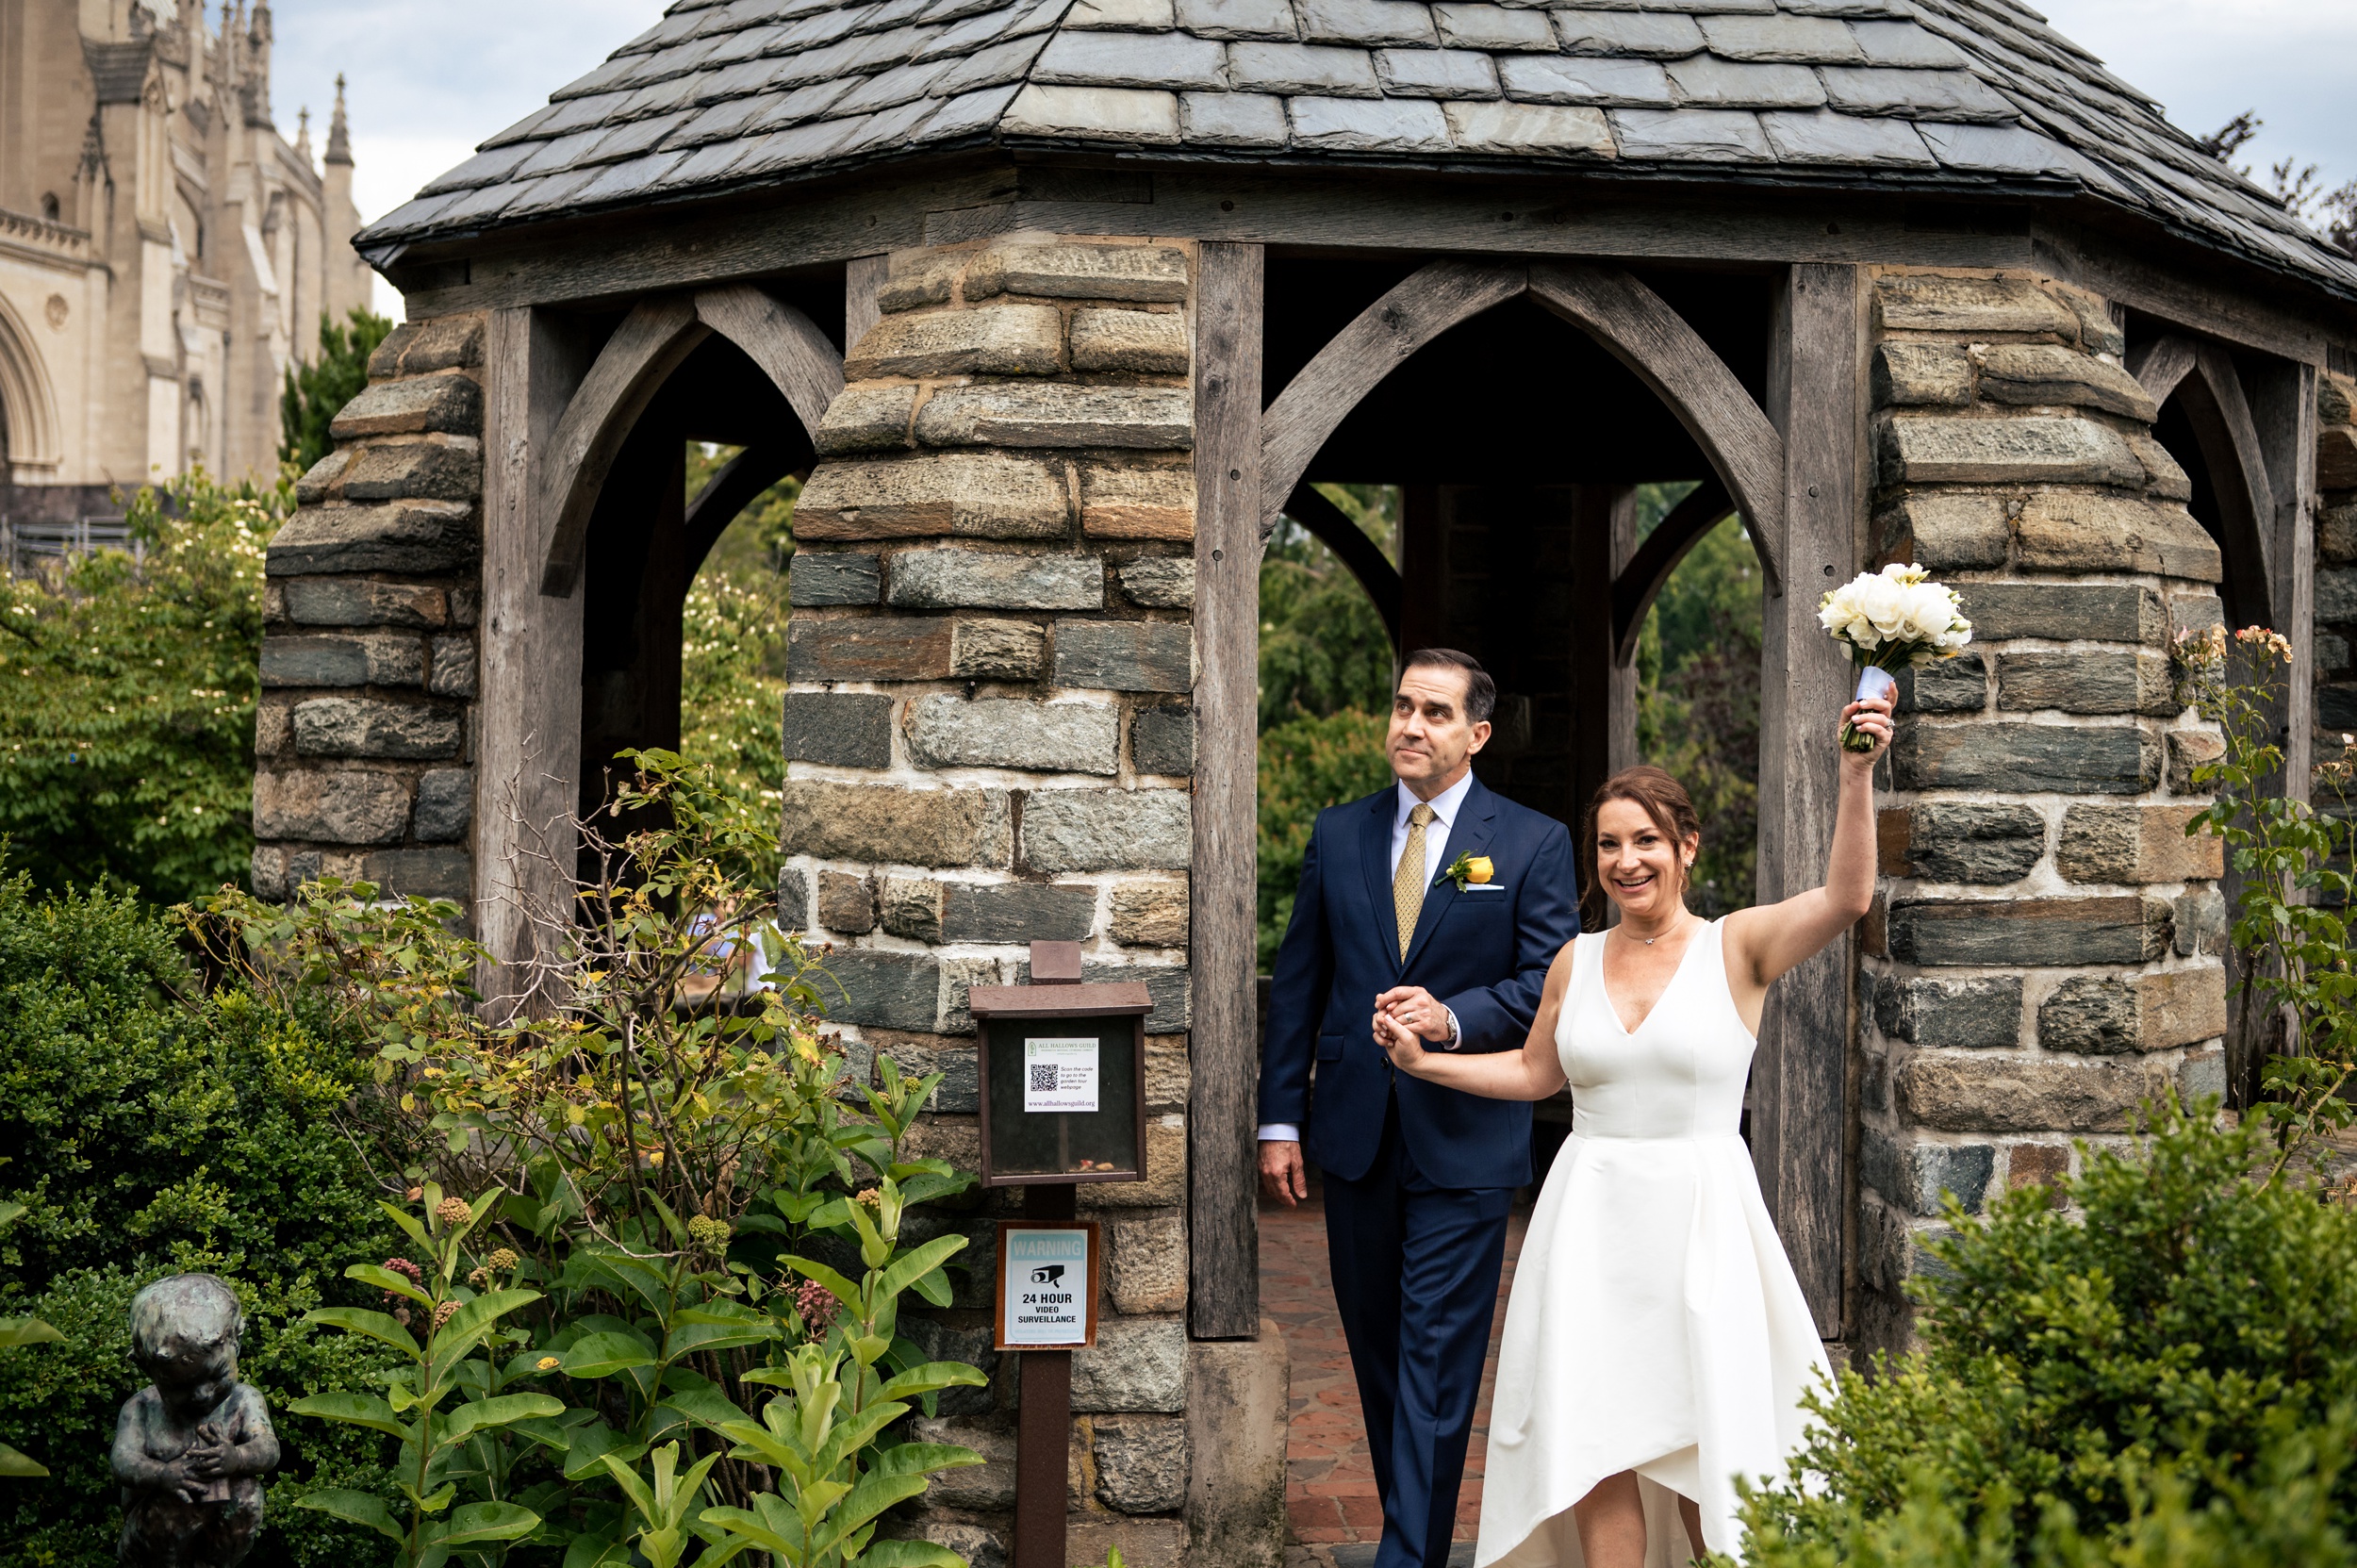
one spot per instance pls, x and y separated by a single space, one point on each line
165 252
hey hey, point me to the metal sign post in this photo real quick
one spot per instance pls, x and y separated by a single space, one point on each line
1063 1101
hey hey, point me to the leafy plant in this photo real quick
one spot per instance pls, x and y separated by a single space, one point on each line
668 1157
15 1334
2290 920
2160 1349
126 698
437 1452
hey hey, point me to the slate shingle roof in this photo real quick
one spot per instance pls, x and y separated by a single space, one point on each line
725 94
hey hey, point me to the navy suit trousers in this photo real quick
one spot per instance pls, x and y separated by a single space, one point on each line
1416 1280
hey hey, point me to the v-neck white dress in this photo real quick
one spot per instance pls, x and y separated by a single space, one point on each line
1655 1325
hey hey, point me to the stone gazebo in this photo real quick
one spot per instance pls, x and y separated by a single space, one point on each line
1060 305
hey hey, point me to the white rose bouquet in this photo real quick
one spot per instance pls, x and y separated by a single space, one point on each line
1892 619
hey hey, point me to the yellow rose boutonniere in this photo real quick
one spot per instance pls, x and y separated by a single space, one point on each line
1466 868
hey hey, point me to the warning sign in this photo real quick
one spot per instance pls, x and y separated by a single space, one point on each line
1047 1285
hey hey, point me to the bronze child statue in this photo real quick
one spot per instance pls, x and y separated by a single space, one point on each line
191 1448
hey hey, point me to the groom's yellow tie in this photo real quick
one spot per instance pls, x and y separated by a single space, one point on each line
1407 882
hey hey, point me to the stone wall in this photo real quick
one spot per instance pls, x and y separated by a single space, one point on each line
989 741
2337 562
2045 954
363 738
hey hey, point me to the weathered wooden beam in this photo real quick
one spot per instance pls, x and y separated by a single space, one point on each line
1640 582
1634 324
1360 556
2161 364
786 344
648 345
1800 1093
1604 688
2195 288
2211 397
1422 307
528 728
2283 407
863 290
1222 1268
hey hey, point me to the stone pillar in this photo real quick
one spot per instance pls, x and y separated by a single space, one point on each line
2045 954
2337 562
362 740
989 741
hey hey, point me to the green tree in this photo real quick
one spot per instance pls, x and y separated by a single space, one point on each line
733 647
315 393
1322 646
127 688
1325 686
1308 763
1698 694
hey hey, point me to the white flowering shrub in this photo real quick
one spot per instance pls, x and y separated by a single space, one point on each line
126 698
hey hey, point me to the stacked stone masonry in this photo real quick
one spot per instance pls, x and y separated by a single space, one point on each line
989 740
2337 562
2045 956
363 740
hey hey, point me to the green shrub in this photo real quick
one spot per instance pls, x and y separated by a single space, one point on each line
2164 1351
126 698
151 1130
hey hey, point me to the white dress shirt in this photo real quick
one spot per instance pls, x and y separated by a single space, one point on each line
1444 808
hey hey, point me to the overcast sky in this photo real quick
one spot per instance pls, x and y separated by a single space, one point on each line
430 79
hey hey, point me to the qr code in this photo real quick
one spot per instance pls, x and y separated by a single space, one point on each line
1043 1077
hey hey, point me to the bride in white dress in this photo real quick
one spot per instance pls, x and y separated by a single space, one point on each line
1656 1344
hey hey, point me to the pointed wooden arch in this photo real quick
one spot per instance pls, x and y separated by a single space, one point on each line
1640 582
1330 527
654 339
2201 375
1627 319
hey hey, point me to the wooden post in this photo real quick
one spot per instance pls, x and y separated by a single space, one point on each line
862 281
1800 1111
1606 685
2283 405
1224 1283
528 733
1043 1435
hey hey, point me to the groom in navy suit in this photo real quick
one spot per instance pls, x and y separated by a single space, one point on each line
1418 1178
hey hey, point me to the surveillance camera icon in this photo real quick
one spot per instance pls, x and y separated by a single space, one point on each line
1051 1274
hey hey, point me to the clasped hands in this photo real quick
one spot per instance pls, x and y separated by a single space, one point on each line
202 1466
1405 1017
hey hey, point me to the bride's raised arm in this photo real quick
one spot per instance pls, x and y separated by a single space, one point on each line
1763 943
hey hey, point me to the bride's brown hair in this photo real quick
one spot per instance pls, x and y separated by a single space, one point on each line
1662 799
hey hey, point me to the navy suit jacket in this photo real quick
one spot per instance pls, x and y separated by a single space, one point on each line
1483 954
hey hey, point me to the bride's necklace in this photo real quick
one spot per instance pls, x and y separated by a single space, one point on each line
1657 936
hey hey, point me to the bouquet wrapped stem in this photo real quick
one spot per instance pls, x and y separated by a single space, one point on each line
1892 619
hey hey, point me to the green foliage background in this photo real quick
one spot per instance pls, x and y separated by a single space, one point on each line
314 393
150 1131
126 698
732 652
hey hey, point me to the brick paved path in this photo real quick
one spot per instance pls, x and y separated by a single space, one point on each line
1330 1483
